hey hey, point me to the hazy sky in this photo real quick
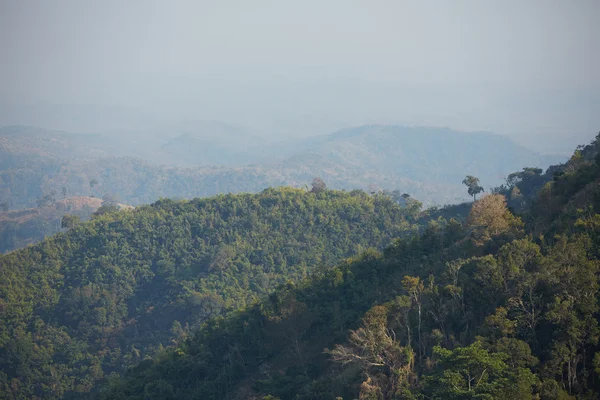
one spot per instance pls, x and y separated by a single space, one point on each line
303 67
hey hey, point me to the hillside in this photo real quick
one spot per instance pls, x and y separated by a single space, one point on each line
109 293
497 307
20 141
428 163
213 143
428 155
20 228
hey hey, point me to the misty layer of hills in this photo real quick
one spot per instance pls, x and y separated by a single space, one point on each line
204 159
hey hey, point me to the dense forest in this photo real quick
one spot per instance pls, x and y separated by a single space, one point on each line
107 294
315 294
503 305
296 200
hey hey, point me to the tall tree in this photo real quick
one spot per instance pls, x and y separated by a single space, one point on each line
388 366
93 183
489 217
69 221
473 187
475 373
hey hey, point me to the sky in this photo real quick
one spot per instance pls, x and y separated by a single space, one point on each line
526 68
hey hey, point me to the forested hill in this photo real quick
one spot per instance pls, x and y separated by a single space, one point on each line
426 155
502 306
428 163
109 293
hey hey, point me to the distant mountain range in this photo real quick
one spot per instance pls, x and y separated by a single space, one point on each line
203 159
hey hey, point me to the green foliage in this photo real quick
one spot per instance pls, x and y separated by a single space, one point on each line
258 296
434 316
70 221
472 184
110 293
473 372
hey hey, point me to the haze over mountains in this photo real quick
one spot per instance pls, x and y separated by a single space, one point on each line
204 159
42 169
275 200
144 125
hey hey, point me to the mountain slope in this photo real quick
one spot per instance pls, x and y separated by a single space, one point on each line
108 293
20 228
463 311
214 143
23 141
426 155
428 163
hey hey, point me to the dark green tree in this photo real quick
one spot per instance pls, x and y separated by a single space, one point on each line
473 187
70 221
45 201
93 182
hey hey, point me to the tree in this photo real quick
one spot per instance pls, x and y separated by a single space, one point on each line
574 280
415 289
158 390
64 191
374 346
105 209
110 200
475 373
489 217
396 196
93 183
411 206
69 221
4 206
472 184
45 200
318 185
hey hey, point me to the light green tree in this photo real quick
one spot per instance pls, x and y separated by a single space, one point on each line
473 372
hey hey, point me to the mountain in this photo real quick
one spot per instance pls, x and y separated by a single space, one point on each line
428 163
214 143
31 157
19 142
499 306
422 154
109 293
264 296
